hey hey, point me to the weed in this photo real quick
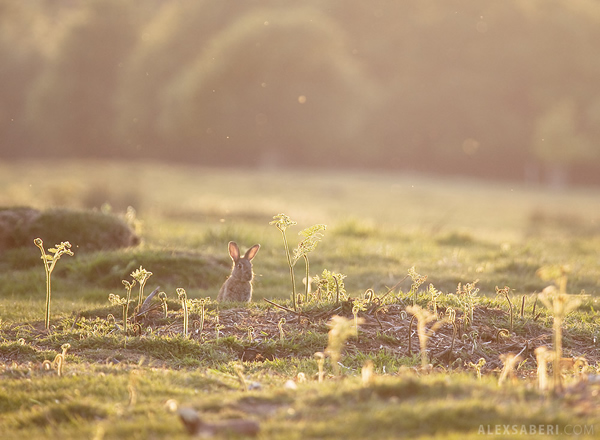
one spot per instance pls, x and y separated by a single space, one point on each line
434 294
468 296
417 280
330 282
49 261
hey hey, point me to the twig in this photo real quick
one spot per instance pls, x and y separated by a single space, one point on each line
393 287
282 307
146 303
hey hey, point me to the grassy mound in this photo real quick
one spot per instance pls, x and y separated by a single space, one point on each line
85 230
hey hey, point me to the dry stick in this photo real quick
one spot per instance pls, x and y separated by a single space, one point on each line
282 307
522 307
393 287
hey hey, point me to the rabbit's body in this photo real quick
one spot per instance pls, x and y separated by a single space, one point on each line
238 286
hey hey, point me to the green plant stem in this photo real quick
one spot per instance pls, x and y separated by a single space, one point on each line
48 296
183 298
307 279
557 329
289 260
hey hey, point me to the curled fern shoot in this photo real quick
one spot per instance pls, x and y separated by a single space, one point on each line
116 300
141 275
358 305
280 326
182 295
163 300
478 366
128 287
320 358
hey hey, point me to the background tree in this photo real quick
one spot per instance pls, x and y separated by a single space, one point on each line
72 104
460 86
275 79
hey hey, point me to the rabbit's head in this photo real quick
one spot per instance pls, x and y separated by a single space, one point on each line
242 265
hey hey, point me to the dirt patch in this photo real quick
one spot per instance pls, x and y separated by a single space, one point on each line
252 335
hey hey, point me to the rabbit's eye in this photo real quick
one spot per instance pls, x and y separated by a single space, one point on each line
239 265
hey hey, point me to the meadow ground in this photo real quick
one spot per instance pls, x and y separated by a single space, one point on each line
238 359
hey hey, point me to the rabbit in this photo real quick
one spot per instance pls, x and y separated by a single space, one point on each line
238 287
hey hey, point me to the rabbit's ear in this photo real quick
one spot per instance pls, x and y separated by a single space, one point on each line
234 251
250 253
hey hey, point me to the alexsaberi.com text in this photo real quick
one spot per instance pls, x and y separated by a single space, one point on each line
536 429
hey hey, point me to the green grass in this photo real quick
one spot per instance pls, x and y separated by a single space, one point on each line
379 225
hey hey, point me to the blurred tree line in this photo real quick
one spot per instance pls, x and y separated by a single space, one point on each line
503 89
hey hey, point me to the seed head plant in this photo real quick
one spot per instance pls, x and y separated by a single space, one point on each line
49 261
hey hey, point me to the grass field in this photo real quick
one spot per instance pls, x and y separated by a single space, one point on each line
117 385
